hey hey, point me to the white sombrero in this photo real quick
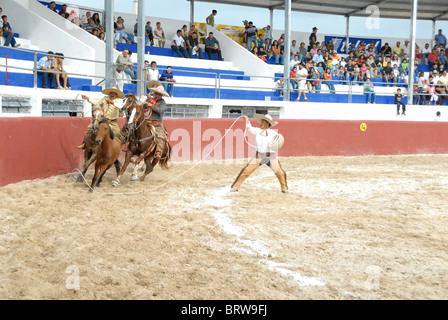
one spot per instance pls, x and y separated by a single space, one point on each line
110 90
266 117
153 83
161 90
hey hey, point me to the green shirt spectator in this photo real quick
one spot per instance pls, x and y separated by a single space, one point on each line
211 18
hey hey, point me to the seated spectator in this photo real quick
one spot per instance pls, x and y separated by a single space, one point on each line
262 54
279 86
275 52
178 45
369 90
350 73
192 29
210 47
193 47
443 59
58 65
267 46
90 26
293 78
394 61
425 53
303 51
167 79
372 67
341 69
255 51
6 31
397 75
128 37
44 70
330 46
398 50
97 22
327 80
363 72
295 62
153 72
315 81
361 59
387 73
404 67
102 36
95 33
318 57
184 33
433 58
444 82
125 64
386 50
52 6
371 46
85 19
149 37
352 47
159 35
313 50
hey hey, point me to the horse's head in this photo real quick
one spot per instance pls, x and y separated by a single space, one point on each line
103 130
98 115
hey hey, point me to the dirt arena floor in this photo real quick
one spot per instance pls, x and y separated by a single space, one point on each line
372 227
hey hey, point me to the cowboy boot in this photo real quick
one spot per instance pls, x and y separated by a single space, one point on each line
281 176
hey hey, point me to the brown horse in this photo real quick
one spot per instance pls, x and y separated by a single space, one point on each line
90 151
107 153
142 142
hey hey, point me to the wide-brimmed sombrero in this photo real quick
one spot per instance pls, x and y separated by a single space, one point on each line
108 91
153 83
266 117
161 90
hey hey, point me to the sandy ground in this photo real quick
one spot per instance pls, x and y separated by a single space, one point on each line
372 227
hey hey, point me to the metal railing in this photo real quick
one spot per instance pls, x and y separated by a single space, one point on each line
263 82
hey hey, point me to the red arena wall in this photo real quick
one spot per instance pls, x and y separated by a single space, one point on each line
34 148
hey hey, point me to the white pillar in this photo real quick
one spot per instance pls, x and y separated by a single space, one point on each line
191 12
412 57
433 41
141 48
110 41
271 18
286 96
347 33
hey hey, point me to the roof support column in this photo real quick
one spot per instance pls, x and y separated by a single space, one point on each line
433 41
347 33
191 12
110 41
412 58
141 73
271 18
287 46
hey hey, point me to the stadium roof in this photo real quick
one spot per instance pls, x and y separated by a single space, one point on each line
393 9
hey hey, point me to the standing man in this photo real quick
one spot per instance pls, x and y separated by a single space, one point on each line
111 105
312 38
250 35
264 138
211 48
440 39
210 20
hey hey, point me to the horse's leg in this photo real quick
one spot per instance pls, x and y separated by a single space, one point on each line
127 160
95 178
105 168
150 164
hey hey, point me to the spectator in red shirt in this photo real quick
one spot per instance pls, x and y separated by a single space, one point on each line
433 58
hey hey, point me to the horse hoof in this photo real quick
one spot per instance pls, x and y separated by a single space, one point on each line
91 191
115 183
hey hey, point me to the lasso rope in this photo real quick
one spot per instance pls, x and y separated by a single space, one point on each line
165 183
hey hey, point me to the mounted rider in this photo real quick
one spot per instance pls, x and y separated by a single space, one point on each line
156 106
111 106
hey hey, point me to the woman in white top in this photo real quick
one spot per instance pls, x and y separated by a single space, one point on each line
264 138
159 35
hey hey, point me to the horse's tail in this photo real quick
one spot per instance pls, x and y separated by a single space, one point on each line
164 161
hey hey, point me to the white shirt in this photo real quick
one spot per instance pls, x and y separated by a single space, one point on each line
179 40
426 50
263 138
153 74
302 74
